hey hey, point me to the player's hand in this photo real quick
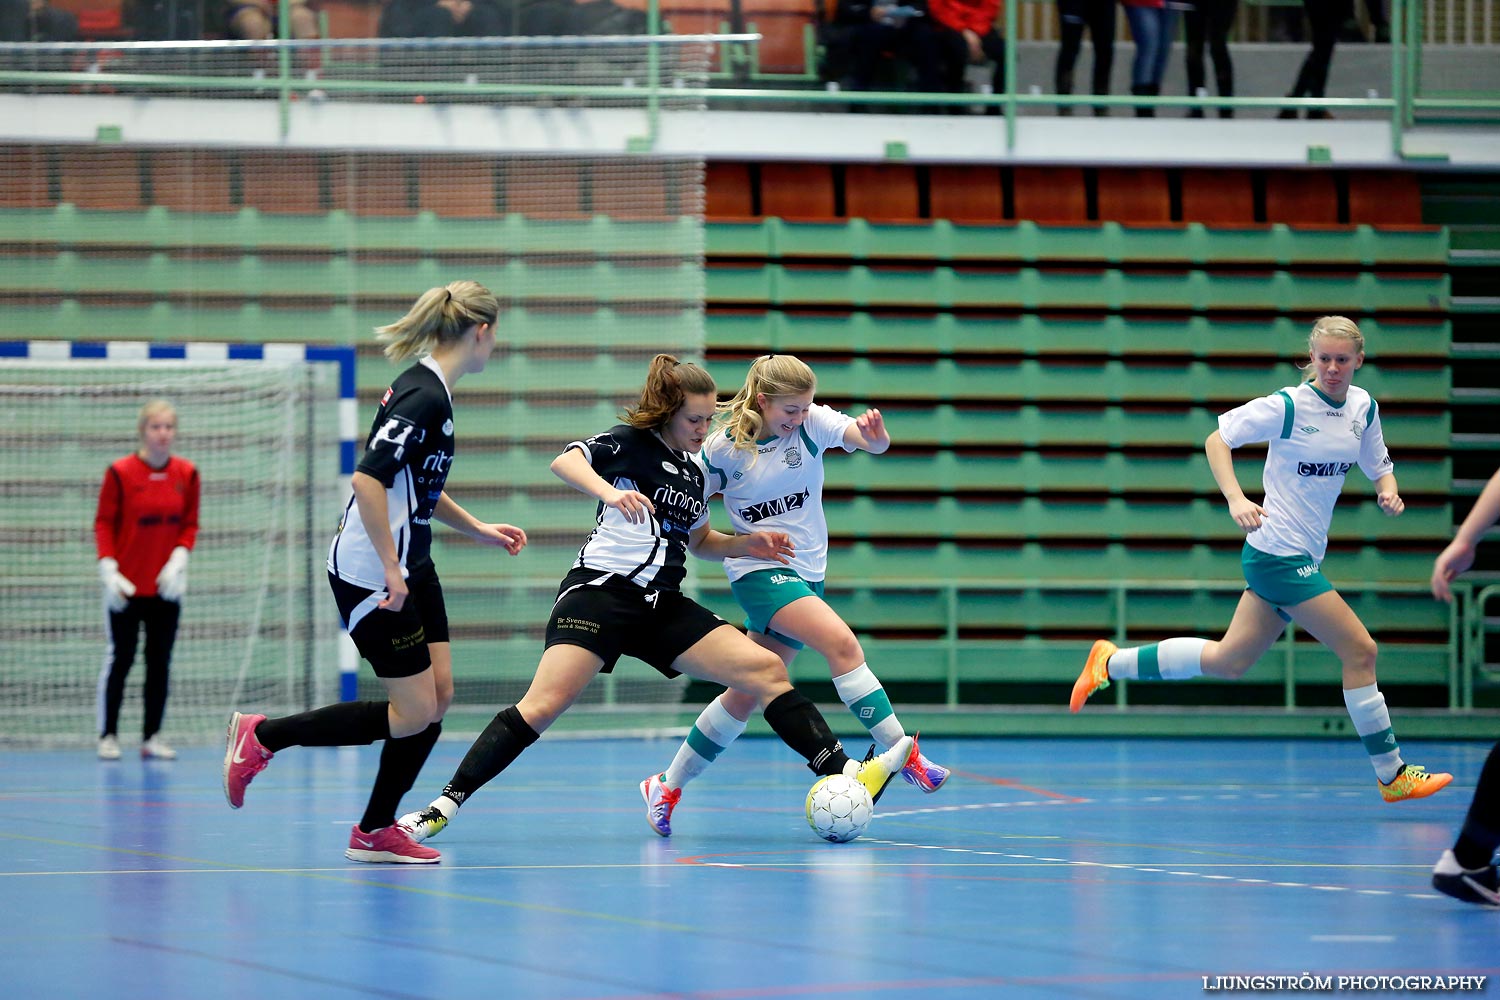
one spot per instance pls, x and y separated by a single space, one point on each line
512 538
117 589
1391 503
872 428
171 582
636 507
395 589
1247 514
1451 562
775 545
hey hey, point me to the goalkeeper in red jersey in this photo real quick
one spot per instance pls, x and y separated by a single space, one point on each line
145 527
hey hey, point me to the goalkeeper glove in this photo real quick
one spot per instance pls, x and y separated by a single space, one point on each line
117 589
171 582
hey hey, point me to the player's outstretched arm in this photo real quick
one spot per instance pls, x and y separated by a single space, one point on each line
868 433
715 546
508 536
1459 555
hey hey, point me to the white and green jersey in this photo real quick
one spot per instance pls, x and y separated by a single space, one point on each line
1312 442
778 487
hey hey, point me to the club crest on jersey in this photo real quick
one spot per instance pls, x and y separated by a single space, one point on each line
669 467
1358 429
792 457
448 427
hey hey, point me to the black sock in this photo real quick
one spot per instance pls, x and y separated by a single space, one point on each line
1480 835
345 724
400 763
502 741
802 727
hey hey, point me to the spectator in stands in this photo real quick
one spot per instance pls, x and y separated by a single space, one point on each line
162 20
867 34
1316 432
1467 870
766 459
1153 23
1324 17
442 19
622 596
36 21
1209 21
144 528
1098 16
965 34
255 20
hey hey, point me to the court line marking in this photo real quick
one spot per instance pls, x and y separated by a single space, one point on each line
1118 866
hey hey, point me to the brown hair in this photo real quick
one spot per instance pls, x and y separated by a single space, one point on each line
668 383
773 375
440 316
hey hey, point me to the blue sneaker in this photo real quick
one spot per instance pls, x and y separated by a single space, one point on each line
924 773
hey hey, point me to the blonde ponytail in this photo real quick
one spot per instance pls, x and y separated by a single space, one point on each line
439 316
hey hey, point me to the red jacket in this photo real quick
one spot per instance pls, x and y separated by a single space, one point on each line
144 514
976 15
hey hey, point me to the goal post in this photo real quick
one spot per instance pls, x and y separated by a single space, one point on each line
272 430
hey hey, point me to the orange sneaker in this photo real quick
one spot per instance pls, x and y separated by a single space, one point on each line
1095 676
1413 782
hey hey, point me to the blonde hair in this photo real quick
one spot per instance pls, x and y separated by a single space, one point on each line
668 383
440 316
772 375
1337 327
152 409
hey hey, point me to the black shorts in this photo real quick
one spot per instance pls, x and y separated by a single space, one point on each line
395 642
611 617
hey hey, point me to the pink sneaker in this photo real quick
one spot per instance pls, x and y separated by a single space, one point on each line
244 757
390 844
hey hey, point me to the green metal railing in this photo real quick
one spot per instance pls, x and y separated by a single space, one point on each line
1404 108
1461 672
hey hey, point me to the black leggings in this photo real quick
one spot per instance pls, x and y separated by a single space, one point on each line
1209 21
1098 16
160 619
1324 17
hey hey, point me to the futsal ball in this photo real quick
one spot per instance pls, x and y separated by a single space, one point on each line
839 808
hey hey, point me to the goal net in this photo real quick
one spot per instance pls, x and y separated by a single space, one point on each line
258 626
565 174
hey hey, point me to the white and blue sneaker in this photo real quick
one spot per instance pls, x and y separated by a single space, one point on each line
924 773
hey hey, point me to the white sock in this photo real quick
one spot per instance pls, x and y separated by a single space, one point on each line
1372 721
860 689
1168 660
709 737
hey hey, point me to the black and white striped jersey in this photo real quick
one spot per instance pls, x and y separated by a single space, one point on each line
653 552
410 450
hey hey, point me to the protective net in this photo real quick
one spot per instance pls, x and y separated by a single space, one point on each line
526 164
257 626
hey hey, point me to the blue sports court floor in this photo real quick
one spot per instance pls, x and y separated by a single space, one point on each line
1048 868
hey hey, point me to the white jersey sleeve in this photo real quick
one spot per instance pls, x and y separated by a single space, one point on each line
1258 420
1374 457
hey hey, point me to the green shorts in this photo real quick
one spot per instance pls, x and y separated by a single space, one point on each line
1283 581
767 591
